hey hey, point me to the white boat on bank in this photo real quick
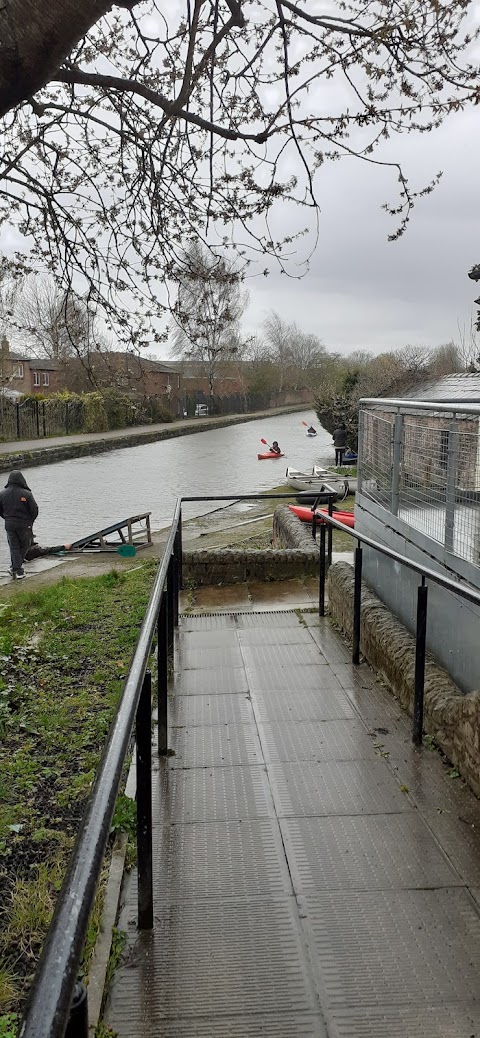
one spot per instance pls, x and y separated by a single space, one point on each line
320 481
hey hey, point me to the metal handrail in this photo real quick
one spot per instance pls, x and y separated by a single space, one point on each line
422 603
448 407
423 571
51 995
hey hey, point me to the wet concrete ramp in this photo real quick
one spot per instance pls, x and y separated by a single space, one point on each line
315 874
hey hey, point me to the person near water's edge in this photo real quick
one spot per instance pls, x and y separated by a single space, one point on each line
19 510
275 448
340 443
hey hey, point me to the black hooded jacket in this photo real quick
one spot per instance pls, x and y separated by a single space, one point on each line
17 503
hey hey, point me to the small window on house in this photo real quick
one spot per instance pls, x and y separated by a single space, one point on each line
18 371
46 378
36 378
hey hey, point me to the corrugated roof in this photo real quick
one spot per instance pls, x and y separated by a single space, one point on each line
464 386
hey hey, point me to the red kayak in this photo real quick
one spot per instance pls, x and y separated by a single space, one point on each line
270 454
305 514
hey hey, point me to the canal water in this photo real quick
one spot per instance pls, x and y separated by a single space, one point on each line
82 495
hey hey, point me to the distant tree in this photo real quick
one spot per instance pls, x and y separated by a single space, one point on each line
210 302
388 374
54 323
445 360
299 356
259 367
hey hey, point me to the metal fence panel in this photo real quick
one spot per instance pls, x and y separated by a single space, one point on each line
425 468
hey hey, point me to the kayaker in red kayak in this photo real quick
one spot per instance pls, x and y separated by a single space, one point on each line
275 448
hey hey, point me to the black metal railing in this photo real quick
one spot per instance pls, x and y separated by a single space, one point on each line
424 572
57 1004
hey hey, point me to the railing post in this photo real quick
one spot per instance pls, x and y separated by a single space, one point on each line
37 417
361 426
420 651
357 604
180 552
321 590
144 805
330 533
44 424
451 487
17 411
397 453
170 606
77 1026
176 579
66 418
162 672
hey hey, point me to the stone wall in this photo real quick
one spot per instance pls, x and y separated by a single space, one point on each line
79 445
453 719
294 555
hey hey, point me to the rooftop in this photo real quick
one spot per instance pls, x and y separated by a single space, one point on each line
463 386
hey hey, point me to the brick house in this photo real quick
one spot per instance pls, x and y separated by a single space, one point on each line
130 373
26 375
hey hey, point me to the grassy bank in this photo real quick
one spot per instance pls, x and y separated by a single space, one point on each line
64 653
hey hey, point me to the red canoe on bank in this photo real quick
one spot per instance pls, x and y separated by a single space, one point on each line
270 454
305 514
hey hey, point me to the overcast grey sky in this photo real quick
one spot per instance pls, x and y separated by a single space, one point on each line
362 291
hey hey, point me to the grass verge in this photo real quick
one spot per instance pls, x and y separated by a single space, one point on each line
64 653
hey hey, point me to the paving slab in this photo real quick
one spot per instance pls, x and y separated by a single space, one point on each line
314 873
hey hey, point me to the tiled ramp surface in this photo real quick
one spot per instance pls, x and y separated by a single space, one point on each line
314 873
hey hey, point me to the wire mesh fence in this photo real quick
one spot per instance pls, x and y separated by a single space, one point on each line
424 467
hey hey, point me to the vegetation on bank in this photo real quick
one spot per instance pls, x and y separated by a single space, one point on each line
66 412
64 654
346 379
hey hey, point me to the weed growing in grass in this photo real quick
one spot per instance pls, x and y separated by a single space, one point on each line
31 907
9 1025
125 817
119 940
8 989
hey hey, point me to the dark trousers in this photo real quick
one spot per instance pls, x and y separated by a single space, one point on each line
339 452
19 540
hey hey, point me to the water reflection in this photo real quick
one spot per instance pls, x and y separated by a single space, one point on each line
82 495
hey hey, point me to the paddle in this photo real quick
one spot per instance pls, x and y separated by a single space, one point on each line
265 442
305 423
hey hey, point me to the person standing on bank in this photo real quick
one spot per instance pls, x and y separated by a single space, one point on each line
340 443
19 510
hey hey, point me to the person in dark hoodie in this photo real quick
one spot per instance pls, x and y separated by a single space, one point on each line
19 510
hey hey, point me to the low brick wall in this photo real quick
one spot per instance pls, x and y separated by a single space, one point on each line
294 554
451 717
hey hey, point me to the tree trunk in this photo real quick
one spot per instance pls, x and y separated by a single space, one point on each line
35 38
